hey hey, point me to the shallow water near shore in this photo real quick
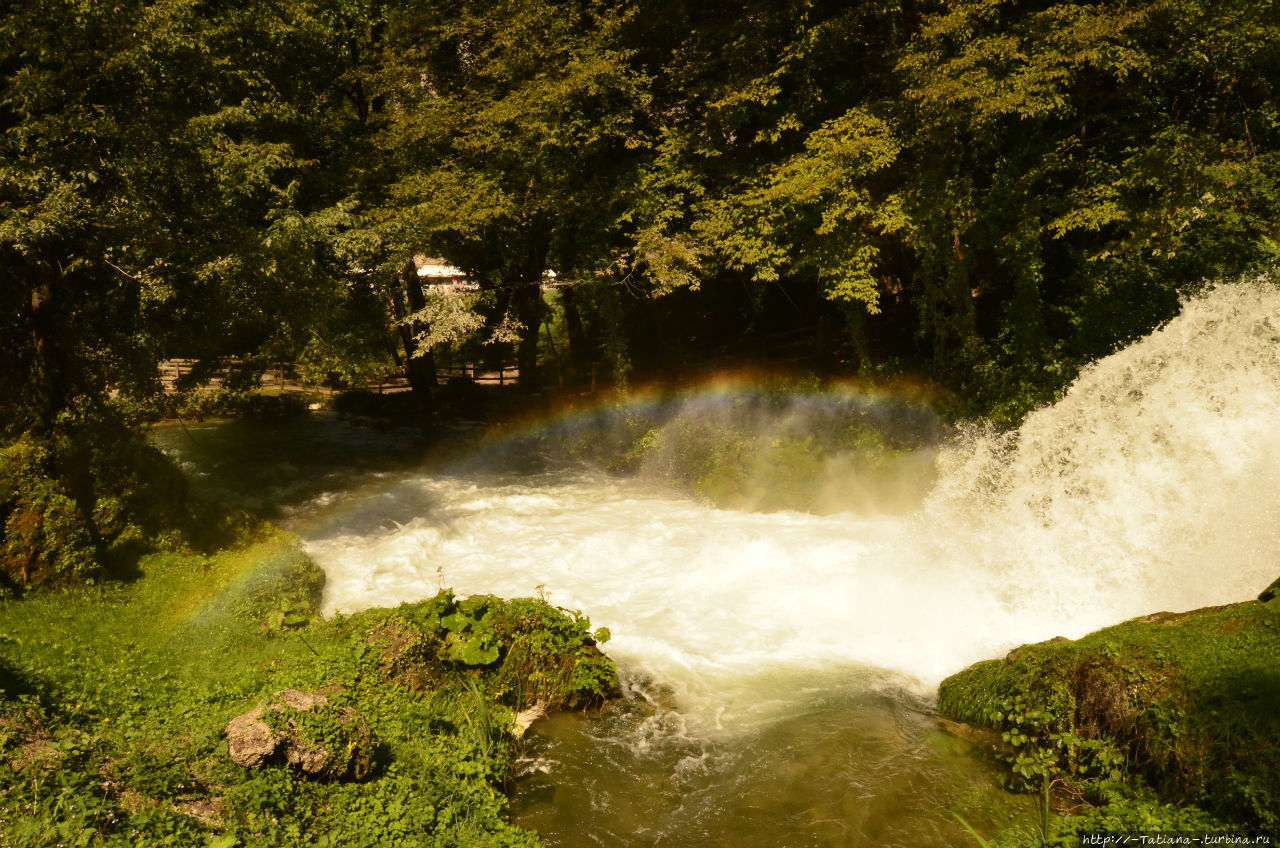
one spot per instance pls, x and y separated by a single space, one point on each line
780 666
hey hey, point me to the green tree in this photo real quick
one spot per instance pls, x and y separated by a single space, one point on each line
152 161
1074 167
152 191
504 146
773 167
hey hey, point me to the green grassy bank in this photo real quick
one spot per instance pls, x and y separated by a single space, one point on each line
1169 722
117 699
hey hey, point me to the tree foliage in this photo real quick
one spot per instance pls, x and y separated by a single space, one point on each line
991 191
154 169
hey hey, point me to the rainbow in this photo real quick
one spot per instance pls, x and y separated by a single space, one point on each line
722 390
567 419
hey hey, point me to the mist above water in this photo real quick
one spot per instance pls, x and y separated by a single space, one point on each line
1152 485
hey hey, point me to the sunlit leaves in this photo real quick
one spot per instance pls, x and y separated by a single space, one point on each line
819 209
448 319
1077 165
988 59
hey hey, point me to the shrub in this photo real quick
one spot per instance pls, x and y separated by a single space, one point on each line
84 502
284 592
46 538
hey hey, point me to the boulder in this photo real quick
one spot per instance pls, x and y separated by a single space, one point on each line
307 731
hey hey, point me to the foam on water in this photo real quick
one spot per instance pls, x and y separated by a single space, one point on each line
1154 484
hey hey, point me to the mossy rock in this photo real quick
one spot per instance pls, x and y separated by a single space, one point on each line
87 502
1190 702
45 536
524 651
408 654
316 737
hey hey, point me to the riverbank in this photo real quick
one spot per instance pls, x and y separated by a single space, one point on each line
1169 722
389 727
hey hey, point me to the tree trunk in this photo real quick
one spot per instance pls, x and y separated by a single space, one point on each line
52 394
530 310
580 349
910 20
48 366
419 365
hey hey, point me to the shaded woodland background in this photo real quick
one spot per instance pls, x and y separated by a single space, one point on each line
987 193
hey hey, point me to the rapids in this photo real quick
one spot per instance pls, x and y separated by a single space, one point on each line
1152 485
781 664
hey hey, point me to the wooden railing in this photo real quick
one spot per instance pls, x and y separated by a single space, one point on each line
281 377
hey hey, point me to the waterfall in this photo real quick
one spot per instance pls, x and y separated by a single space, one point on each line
1153 484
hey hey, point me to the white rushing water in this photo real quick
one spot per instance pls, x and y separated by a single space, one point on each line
1154 484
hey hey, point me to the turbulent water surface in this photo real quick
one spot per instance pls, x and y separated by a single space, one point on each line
780 665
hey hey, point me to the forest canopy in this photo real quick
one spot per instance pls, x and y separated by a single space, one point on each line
986 192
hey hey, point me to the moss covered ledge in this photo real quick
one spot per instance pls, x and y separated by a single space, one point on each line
1184 707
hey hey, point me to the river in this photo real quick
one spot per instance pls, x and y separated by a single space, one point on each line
780 666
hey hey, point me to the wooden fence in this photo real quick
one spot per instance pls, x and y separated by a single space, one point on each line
282 378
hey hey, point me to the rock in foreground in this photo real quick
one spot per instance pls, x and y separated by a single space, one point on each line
304 729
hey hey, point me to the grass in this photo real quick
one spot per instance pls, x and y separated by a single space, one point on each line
115 700
1168 722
